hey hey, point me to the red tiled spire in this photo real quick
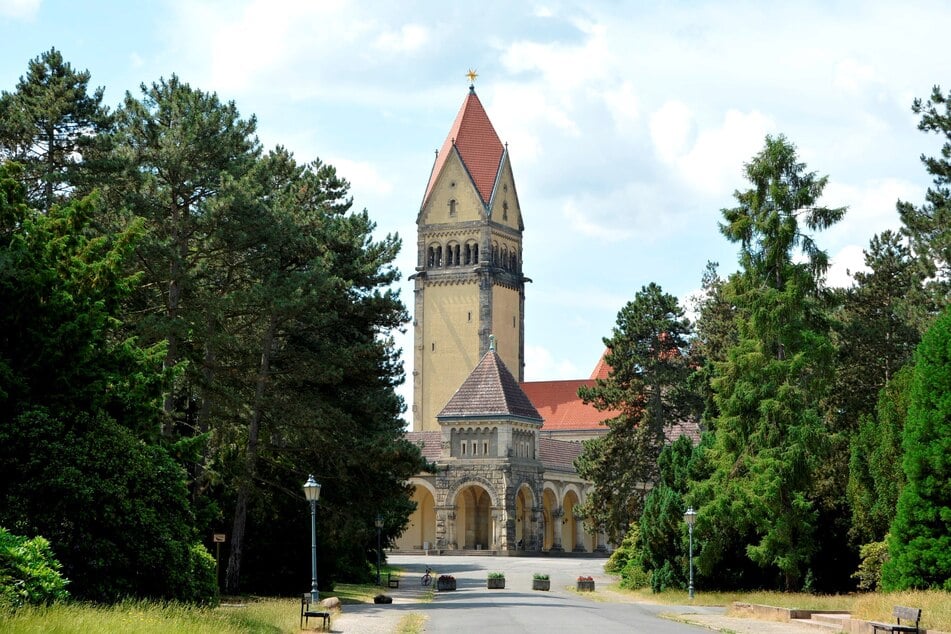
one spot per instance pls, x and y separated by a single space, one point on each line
478 145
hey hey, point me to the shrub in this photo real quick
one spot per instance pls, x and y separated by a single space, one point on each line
29 572
201 585
540 576
496 575
633 576
873 556
627 550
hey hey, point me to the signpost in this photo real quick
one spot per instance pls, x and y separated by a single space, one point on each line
219 539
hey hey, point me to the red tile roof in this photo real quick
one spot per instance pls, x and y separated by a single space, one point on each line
602 370
478 145
561 407
490 390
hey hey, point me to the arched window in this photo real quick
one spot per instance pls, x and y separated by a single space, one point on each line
449 255
452 207
455 254
431 257
438 257
475 253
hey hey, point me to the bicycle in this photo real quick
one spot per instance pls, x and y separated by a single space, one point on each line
427 579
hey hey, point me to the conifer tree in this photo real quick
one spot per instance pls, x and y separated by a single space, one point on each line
928 226
52 125
647 353
769 434
920 537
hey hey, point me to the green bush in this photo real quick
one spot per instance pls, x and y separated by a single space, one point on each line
29 572
873 556
626 551
633 576
201 586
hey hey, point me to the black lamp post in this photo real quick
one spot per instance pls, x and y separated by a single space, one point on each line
312 493
690 517
379 527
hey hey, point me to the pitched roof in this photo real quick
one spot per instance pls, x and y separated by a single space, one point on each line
558 455
561 407
490 390
602 369
429 442
479 147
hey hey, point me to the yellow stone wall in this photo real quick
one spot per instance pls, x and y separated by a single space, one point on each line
506 327
450 346
452 183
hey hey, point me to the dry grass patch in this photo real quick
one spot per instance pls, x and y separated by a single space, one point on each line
935 607
411 624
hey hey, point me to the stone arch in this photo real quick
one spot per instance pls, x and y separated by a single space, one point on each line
525 504
550 511
463 482
474 523
420 533
572 533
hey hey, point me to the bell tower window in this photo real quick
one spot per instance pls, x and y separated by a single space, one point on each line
452 208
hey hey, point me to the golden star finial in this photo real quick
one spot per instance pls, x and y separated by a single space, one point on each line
472 76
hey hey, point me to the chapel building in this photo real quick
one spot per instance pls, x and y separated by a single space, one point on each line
504 449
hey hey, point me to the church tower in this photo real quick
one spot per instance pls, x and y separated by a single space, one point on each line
468 281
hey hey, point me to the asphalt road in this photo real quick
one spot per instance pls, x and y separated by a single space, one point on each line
517 608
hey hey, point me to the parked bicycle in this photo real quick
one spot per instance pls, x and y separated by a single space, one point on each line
427 579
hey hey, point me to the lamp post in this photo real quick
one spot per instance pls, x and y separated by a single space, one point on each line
690 517
379 526
312 493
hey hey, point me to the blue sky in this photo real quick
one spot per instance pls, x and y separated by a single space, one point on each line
628 123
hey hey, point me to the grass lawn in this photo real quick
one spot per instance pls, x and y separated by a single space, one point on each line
935 605
244 614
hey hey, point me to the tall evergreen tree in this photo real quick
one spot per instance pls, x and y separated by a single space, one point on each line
52 124
179 147
920 537
929 225
647 354
769 435
876 336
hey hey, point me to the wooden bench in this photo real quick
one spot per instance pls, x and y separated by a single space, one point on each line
901 612
392 580
306 613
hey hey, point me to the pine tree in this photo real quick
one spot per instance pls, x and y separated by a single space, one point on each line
52 125
928 226
647 386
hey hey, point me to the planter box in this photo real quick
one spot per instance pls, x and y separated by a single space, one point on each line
586 586
541 584
495 584
445 585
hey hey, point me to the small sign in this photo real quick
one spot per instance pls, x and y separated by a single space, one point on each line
219 538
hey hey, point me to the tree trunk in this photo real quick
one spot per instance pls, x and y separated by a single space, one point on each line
233 575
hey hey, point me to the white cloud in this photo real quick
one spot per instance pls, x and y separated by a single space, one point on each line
845 264
853 76
871 208
541 365
19 9
410 38
624 106
362 176
670 128
714 164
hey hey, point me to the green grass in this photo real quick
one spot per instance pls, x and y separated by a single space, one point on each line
244 614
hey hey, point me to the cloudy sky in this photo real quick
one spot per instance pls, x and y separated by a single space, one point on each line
628 123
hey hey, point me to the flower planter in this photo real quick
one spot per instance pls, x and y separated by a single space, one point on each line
541 584
495 584
586 586
445 585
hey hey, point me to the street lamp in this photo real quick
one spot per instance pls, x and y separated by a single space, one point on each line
690 517
312 493
379 526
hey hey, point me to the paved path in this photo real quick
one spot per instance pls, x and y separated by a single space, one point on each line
518 609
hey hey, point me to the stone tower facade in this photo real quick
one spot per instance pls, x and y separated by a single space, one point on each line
469 282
